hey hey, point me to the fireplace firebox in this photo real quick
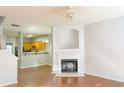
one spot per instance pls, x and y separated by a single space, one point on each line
69 65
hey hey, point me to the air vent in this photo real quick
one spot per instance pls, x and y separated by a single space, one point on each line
15 25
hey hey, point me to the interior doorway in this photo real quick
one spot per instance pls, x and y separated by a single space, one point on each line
9 47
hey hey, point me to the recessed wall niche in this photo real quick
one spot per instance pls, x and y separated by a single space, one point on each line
68 39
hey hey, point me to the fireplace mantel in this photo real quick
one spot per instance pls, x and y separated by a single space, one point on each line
70 54
69 50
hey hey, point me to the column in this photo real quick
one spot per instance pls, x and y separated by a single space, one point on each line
20 48
2 40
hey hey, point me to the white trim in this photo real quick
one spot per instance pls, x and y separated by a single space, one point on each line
53 72
49 64
70 74
34 65
105 77
5 84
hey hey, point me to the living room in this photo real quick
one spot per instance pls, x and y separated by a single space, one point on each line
83 48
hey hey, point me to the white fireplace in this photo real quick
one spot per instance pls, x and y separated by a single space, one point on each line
68 45
69 56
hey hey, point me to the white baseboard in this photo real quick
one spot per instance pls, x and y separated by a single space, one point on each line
22 67
49 64
70 74
54 72
105 77
5 84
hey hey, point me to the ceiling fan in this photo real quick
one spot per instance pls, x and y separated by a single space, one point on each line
67 10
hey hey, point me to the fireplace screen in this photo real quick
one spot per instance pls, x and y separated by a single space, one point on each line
69 65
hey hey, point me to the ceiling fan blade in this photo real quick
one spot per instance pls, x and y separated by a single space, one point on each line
57 9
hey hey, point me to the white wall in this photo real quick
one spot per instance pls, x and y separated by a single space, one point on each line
8 68
104 48
67 38
2 39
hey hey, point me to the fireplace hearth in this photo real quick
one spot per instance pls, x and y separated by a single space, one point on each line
69 65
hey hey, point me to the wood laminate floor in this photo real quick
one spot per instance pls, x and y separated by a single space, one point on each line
41 77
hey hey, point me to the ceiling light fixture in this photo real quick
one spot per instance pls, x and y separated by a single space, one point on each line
30 35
